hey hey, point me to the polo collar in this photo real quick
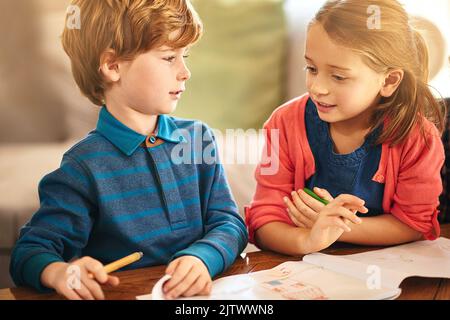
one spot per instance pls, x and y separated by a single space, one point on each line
128 140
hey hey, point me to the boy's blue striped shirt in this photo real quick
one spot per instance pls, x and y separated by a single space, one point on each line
112 196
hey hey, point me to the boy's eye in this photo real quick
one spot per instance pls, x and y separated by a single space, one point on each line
170 59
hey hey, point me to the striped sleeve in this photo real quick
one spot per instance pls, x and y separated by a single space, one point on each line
59 229
225 232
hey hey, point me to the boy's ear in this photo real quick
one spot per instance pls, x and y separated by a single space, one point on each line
109 66
391 82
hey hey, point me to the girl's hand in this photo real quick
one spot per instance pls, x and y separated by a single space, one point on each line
78 280
331 221
304 209
190 277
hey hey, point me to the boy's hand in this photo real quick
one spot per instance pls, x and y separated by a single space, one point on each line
304 209
331 221
72 280
189 277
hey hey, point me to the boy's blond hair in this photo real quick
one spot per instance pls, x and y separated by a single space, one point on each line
129 27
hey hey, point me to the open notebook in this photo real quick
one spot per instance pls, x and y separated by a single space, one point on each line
363 276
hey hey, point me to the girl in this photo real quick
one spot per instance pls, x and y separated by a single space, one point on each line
366 137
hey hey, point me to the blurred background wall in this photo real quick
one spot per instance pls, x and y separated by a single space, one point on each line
249 61
37 92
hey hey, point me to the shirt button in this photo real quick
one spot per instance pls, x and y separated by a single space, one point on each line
152 139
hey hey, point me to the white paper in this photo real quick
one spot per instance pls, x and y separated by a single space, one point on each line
292 280
421 258
355 269
322 276
157 291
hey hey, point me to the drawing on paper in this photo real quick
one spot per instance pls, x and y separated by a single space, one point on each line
399 257
279 273
294 290
283 280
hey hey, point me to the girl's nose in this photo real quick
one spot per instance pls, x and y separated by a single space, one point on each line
318 89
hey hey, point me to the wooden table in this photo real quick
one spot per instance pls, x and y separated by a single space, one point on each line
140 281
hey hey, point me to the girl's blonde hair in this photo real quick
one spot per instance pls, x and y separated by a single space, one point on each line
129 27
391 44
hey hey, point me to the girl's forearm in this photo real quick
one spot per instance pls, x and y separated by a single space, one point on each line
381 230
283 238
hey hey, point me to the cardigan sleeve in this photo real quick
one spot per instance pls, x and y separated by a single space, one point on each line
416 197
275 179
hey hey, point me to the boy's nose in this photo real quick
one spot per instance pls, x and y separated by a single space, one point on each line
185 74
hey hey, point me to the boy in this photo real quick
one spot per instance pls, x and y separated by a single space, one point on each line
123 189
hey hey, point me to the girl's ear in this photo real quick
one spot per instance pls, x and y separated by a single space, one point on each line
391 82
109 66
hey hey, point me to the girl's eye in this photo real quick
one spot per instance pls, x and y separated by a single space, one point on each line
186 56
339 78
310 69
